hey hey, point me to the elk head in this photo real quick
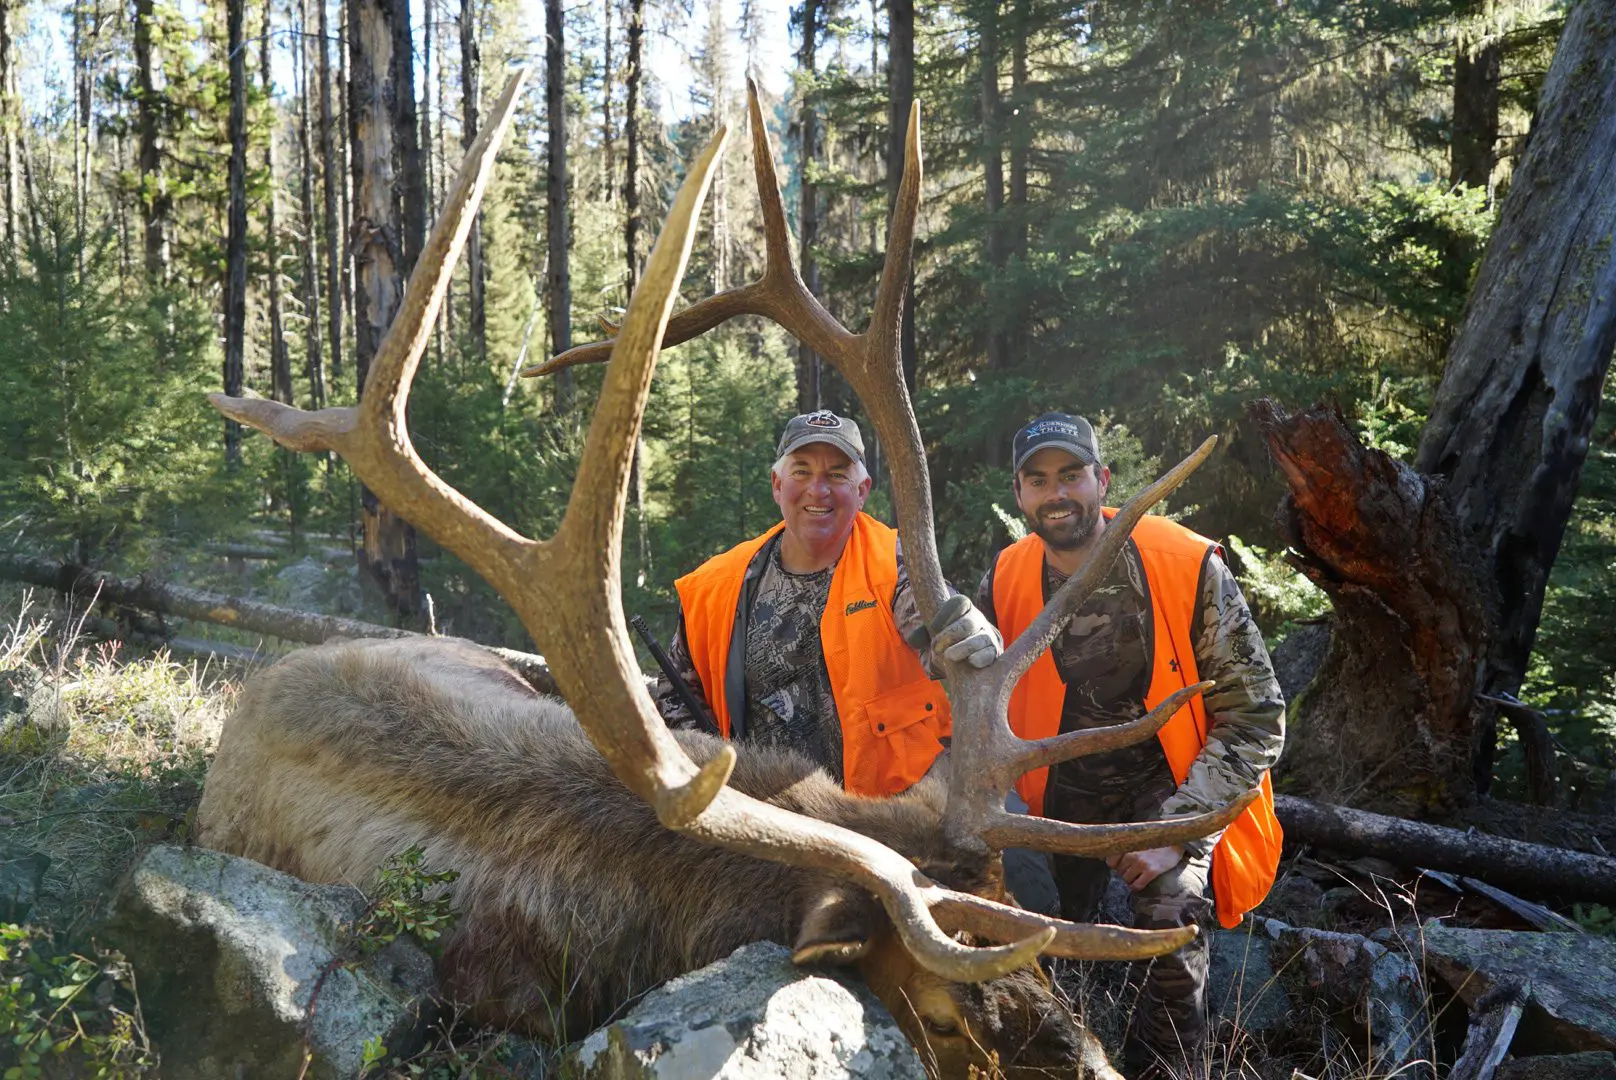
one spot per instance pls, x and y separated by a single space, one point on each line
925 960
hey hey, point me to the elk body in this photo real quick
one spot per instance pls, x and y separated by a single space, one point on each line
572 896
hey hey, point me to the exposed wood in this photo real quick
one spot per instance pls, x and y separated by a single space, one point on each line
1388 719
1515 864
1511 421
1536 914
1492 1027
83 585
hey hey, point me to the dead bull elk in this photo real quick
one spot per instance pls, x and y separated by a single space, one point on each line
574 893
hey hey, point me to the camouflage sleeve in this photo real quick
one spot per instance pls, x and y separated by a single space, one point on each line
674 711
1246 714
906 614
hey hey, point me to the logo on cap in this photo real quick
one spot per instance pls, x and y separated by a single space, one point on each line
823 419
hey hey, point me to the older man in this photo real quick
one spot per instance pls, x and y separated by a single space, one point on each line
1169 614
800 637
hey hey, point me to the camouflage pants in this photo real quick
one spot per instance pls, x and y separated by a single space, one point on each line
1170 1020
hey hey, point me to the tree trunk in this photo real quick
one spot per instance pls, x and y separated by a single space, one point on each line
313 361
557 278
470 74
993 241
1510 425
900 98
631 139
10 125
1387 720
336 240
280 357
235 292
1476 70
810 388
1021 128
389 544
407 140
607 140
155 202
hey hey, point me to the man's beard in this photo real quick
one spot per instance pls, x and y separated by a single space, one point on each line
1069 533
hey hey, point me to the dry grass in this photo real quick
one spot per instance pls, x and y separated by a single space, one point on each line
104 757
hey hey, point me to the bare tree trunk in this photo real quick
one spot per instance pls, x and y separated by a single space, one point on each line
429 16
280 357
155 201
336 240
445 330
407 140
313 362
1510 426
350 223
389 544
557 278
10 125
810 388
900 99
631 138
235 292
470 76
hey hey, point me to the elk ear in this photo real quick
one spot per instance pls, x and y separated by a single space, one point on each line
837 927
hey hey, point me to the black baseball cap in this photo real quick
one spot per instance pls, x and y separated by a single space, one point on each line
822 426
1061 431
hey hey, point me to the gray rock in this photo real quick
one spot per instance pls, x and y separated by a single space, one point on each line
1590 1066
1374 994
229 954
1242 988
752 1016
1573 980
22 873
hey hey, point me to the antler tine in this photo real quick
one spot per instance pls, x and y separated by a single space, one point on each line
372 437
776 230
997 922
887 319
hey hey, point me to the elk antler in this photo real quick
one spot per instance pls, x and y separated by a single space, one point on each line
566 590
987 757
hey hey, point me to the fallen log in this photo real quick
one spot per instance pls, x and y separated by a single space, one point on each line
1516 864
252 616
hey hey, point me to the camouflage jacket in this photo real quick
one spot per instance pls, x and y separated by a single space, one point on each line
1105 657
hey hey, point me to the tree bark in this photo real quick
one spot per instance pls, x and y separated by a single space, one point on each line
607 135
336 245
1476 70
235 293
1388 719
631 139
389 545
470 76
1020 127
280 357
900 98
810 388
1511 422
558 277
1530 868
10 126
407 139
249 615
313 361
155 201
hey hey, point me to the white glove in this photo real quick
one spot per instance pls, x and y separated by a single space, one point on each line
966 634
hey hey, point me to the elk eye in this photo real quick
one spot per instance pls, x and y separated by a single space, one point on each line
942 1025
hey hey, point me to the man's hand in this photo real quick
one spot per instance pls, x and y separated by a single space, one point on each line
1139 868
966 635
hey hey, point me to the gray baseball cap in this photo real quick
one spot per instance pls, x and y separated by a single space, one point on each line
823 426
1061 431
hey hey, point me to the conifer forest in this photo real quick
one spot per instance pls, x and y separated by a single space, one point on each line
1366 243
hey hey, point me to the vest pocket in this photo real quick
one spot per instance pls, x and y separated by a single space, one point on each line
904 725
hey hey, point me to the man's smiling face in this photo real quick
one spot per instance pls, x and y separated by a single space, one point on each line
1060 495
819 490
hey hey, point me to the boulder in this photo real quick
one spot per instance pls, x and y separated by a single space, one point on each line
1573 979
1242 988
752 1016
229 956
1589 1066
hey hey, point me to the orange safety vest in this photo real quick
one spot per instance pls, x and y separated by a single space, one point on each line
1247 856
893 715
